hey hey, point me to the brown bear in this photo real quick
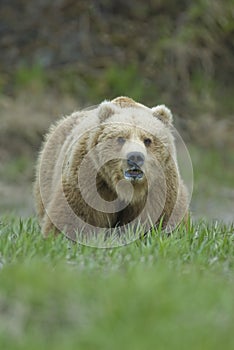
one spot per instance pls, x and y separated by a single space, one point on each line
110 167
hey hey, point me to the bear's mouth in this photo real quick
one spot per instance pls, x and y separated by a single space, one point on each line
134 173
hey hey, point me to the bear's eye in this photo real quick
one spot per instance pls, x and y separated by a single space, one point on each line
121 140
147 142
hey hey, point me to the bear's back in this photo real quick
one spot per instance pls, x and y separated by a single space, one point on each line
54 147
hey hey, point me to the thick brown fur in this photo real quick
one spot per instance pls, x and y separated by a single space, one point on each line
69 142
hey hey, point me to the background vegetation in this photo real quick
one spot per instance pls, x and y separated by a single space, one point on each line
61 56
165 292
181 53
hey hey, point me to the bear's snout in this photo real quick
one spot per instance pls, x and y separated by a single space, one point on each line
135 158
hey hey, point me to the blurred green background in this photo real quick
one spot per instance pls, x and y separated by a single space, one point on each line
60 56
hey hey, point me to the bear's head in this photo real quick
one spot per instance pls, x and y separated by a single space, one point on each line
133 143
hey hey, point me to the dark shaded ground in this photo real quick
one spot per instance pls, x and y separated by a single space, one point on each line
178 53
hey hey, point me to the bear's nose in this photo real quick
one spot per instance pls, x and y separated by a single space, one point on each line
135 158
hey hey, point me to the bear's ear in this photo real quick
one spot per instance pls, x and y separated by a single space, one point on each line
163 113
105 110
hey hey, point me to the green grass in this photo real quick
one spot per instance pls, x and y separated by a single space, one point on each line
33 78
160 293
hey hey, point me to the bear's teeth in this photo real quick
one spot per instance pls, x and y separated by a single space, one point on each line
133 174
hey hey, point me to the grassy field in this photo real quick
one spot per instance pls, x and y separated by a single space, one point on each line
160 293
